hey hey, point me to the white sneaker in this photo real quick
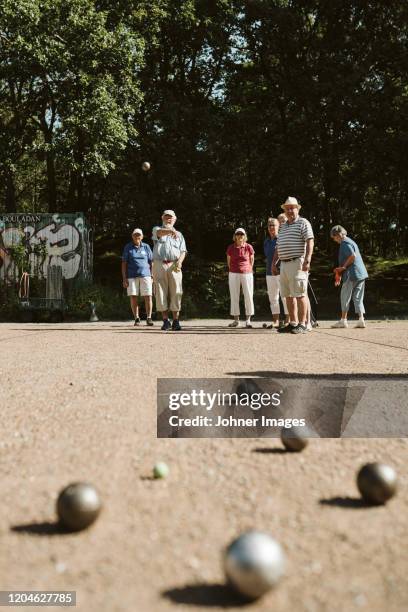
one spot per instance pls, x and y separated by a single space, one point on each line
360 323
309 327
342 323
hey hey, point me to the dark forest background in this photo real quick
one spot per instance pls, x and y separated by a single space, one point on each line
236 104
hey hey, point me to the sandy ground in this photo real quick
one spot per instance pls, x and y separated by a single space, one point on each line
79 403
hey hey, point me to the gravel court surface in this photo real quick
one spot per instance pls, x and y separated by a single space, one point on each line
79 403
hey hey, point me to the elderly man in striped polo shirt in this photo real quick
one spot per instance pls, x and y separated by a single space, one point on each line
294 250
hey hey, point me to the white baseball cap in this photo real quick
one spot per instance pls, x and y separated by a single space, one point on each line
240 230
137 231
169 212
291 201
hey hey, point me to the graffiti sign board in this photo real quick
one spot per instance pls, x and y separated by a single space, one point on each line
38 241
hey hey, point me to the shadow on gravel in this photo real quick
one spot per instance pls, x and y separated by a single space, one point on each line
194 331
206 595
270 451
345 502
334 376
47 528
352 338
64 329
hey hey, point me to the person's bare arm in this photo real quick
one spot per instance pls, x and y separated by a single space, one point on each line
166 232
228 262
180 260
252 260
348 262
124 274
274 268
308 256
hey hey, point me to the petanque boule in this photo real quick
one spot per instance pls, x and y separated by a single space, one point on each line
377 482
254 563
78 506
160 470
146 166
294 439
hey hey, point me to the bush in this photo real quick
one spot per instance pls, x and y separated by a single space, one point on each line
9 304
111 303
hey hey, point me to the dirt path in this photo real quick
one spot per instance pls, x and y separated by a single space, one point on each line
79 403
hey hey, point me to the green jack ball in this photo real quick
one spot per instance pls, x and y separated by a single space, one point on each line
160 470
294 438
78 506
377 482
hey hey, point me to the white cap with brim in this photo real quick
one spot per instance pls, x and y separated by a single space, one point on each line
169 212
240 230
291 201
137 231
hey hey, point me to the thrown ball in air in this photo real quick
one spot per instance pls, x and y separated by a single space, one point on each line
146 166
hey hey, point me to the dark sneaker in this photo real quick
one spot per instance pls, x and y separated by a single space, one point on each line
166 325
176 325
149 322
137 321
286 329
299 329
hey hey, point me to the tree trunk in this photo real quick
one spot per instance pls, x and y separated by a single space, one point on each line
51 183
71 200
10 199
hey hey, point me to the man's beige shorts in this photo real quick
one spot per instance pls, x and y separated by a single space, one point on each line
142 285
293 281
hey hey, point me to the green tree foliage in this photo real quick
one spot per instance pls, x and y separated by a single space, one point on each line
236 104
69 76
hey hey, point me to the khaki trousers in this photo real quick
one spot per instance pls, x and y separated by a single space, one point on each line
168 286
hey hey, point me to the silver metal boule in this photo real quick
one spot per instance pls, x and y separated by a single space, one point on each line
254 563
377 482
146 166
78 506
294 438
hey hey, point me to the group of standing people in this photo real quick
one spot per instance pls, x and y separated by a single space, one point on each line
142 267
288 251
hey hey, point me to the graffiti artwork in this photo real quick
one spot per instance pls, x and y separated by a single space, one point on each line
32 243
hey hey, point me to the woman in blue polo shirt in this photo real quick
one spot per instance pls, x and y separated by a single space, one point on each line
136 274
353 276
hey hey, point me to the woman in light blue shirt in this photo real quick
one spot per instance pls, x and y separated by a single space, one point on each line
353 276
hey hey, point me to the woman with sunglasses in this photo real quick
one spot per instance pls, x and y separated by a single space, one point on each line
240 260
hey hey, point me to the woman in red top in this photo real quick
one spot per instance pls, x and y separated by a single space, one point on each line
240 260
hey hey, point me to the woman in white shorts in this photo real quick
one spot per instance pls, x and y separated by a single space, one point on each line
137 259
